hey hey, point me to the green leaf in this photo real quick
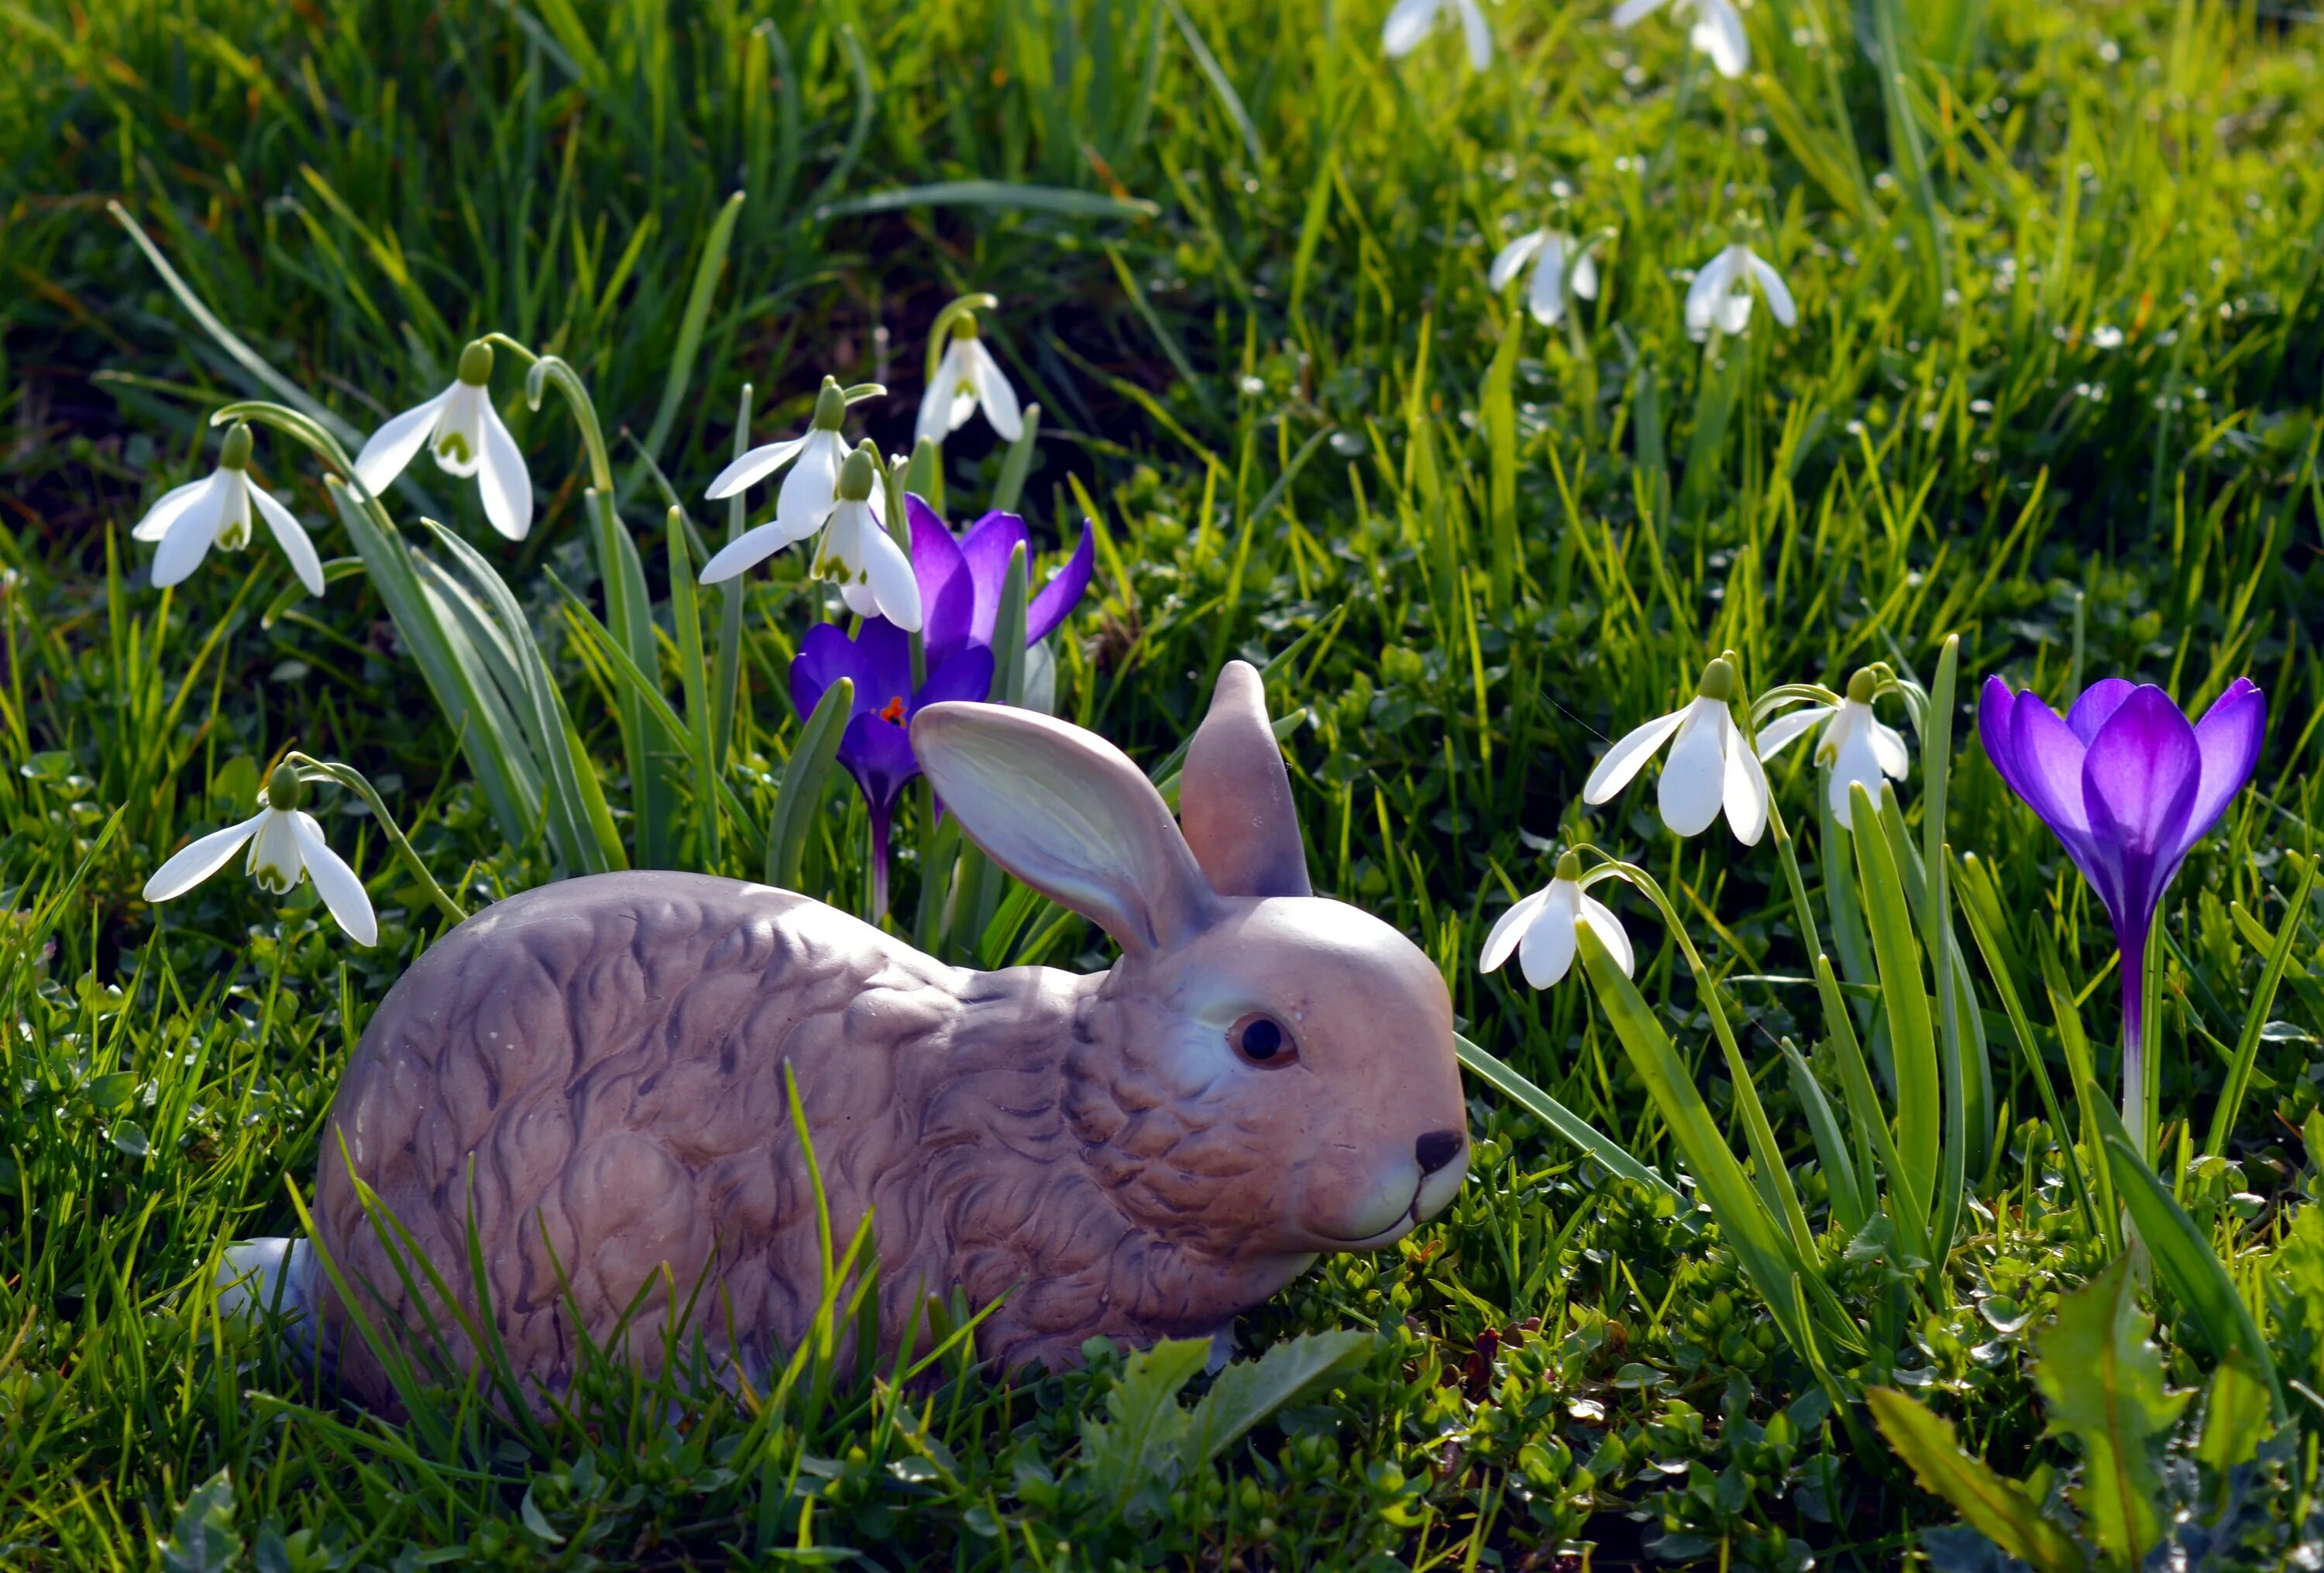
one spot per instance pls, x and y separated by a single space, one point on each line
1490 1068
1246 1392
1905 999
995 194
2238 1414
1143 1437
2262 1000
1997 1508
802 793
2102 1380
706 274
202 1538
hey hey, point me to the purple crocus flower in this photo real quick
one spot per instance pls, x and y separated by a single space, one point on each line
876 748
2128 785
961 580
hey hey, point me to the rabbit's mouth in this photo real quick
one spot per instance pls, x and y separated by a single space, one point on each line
1405 1222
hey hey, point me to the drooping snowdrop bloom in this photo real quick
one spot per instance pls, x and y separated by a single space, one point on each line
466 433
810 491
284 843
1540 929
215 512
1856 746
873 573
1562 266
968 379
1414 20
1711 767
1717 30
1720 294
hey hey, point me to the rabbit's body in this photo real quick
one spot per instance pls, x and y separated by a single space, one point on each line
593 1073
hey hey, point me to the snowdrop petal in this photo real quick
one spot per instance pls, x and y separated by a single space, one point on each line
396 444
935 402
1511 258
1608 930
334 882
1734 313
746 550
1702 295
1888 747
275 860
1407 25
753 466
811 491
891 573
1779 295
1547 297
1783 731
1743 786
1586 276
1511 928
1478 36
291 537
1629 12
506 483
1622 761
1853 760
1546 954
1693 779
993 392
170 506
1717 33
200 861
458 439
195 533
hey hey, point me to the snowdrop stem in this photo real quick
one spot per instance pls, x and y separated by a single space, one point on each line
940 331
541 370
1772 1177
346 776
1789 694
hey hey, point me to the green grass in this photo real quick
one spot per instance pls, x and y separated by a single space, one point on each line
2053 390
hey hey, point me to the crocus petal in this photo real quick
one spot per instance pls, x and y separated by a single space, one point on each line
1888 747
1501 942
2229 736
396 444
935 424
1063 591
291 537
993 392
200 861
2139 781
1630 11
2049 759
986 549
1512 257
191 538
1717 33
166 508
334 882
1407 25
1995 707
275 860
891 573
506 485
2097 705
1608 930
1622 761
1547 300
1546 950
877 753
1478 36
458 439
825 656
1779 295
947 596
1694 782
754 466
1743 785
746 550
968 675
1783 731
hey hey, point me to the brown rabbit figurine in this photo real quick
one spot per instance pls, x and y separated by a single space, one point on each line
596 1069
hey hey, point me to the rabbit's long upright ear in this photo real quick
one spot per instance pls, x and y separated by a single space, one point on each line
1234 797
1067 813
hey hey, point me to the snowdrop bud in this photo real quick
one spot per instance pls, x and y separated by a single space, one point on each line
1717 683
964 326
285 793
830 406
235 454
858 475
1862 684
477 363
1569 865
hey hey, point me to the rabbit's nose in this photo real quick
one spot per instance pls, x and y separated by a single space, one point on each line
1436 1149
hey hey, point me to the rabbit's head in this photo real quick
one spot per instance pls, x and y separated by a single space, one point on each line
1267 1073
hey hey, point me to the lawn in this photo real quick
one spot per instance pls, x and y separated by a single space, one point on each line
1762 1260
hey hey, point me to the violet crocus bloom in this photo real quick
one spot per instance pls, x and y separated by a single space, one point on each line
2128 785
961 581
877 748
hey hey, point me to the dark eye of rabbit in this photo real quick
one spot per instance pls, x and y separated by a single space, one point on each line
1261 1040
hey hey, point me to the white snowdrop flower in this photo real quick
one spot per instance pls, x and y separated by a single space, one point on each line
968 379
215 512
1856 746
1562 266
1540 930
874 575
284 843
1711 767
1414 20
1721 293
810 491
1717 30
466 433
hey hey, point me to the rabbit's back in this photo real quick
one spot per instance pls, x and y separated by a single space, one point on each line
594 1072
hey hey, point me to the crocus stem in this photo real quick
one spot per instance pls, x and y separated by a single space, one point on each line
879 866
2133 1041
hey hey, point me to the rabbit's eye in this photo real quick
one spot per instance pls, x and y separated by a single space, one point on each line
1261 1040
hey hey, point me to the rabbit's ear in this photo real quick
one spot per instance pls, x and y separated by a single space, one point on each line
1234 797
1067 813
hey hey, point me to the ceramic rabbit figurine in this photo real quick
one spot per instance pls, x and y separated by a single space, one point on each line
593 1070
